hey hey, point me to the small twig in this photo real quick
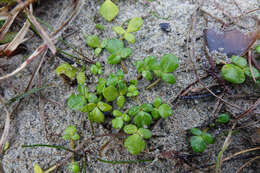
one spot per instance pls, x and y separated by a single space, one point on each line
247 163
252 107
7 126
249 57
123 67
153 84
124 161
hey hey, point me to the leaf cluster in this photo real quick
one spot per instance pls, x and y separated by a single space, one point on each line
237 71
149 68
96 68
94 42
70 133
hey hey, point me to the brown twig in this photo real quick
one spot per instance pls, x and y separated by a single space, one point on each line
249 57
247 163
7 126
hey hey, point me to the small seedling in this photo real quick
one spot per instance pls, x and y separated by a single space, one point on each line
223 118
108 10
134 25
100 27
96 68
74 167
120 118
93 41
200 140
70 133
150 66
132 90
117 51
236 72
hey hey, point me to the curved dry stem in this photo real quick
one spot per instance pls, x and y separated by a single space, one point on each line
247 163
6 128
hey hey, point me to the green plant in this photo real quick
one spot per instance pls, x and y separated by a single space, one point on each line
96 68
93 41
134 25
74 167
117 51
257 49
108 10
120 118
70 133
132 90
200 140
236 72
223 118
150 67
100 27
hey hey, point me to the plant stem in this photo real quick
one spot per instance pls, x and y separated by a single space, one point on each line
72 146
153 84
123 67
124 161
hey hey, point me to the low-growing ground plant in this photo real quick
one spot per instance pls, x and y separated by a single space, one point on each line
108 10
96 68
94 42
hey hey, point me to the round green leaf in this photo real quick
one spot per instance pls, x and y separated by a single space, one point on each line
169 78
110 93
151 63
117 113
130 129
133 110
114 45
135 24
113 59
82 89
126 117
130 38
122 87
92 98
169 63
197 143
233 73
165 111
146 107
134 144
108 10
81 78
120 101
147 75
117 123
96 116
239 61
208 138
91 106
74 167
119 30
157 102
76 102
104 106
196 131
143 119
93 41
254 70
67 69
155 114
223 118
145 133
97 51
125 52
257 49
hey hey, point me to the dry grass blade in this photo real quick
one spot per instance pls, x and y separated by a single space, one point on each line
19 38
6 128
247 163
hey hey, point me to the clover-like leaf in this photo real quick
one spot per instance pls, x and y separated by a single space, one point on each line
96 116
151 63
196 131
76 102
134 144
117 123
67 70
108 10
134 24
254 70
70 133
110 93
122 87
239 61
93 41
130 129
130 38
233 73
119 30
143 119
145 133
104 106
133 110
169 63
197 144
132 91
169 78
147 75
92 98
120 101
223 118
126 117
165 111
114 45
208 138
114 59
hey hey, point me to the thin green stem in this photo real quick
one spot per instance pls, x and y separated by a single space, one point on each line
153 84
124 161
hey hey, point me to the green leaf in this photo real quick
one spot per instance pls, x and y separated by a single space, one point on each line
100 27
108 10
255 72
75 137
125 52
132 91
135 24
239 61
133 110
157 102
139 66
104 106
155 114
169 78
208 138
145 133
70 133
146 107
126 117
74 167
113 59
37 168
120 101
101 85
96 116
143 119
91 106
165 111
104 43
117 113
223 118
169 63
233 73
130 38
257 49
119 30
9 36
92 98
97 51
134 144
93 41
147 75
81 78
122 87
117 123
112 80
151 63
83 90
67 69
130 129
197 143
76 102
114 45
94 69
110 93
196 131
